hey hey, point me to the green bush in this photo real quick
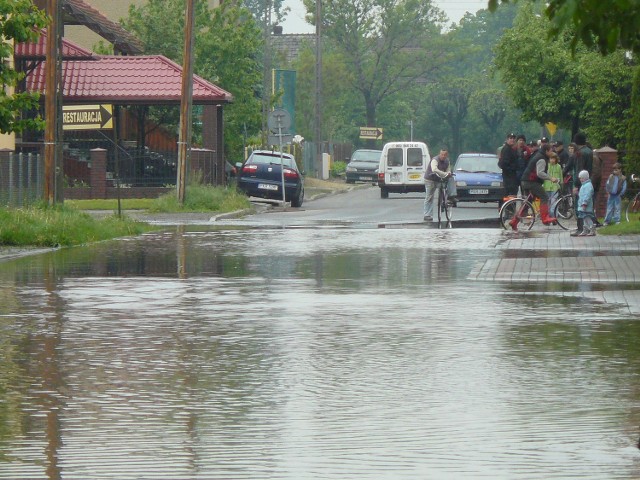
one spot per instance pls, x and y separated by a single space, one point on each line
338 168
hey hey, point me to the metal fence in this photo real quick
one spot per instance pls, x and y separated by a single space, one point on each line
21 179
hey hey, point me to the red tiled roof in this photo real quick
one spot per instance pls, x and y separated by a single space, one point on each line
127 80
38 50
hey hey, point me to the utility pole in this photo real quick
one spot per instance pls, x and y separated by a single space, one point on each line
52 103
318 109
186 103
266 95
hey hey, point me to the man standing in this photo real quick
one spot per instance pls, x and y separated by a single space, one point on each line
563 155
523 153
508 162
439 168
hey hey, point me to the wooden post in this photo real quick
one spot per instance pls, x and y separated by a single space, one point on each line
184 141
51 103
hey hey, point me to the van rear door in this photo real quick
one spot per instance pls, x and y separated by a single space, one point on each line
416 164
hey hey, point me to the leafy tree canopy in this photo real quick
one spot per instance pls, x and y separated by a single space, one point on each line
388 45
20 21
550 84
607 25
227 52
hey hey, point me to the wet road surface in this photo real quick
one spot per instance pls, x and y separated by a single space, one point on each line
219 352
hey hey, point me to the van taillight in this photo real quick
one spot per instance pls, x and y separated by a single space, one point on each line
381 176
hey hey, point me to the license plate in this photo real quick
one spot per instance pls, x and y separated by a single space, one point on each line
366 178
267 186
479 191
415 176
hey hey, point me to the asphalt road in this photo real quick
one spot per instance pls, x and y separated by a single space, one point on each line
364 206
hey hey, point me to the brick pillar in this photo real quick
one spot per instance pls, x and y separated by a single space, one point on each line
609 156
98 175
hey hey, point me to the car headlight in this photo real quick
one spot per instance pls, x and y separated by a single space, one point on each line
461 183
351 169
496 184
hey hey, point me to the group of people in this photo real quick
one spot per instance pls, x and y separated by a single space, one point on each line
542 168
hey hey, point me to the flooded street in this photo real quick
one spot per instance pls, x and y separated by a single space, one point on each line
308 353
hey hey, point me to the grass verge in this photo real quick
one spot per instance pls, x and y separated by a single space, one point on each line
198 198
61 225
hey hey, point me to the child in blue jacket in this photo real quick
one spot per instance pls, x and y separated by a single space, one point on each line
585 205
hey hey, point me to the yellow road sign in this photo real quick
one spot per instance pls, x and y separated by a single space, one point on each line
551 128
87 117
370 133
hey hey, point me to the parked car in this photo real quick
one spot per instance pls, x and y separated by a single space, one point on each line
478 178
261 176
363 166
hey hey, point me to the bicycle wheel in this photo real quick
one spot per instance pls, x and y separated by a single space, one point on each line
442 197
521 208
565 213
632 212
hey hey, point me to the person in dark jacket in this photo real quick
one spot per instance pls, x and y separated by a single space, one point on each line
508 162
524 153
532 179
563 155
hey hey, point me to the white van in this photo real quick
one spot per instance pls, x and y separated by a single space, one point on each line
402 167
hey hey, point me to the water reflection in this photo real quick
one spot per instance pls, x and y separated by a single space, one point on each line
307 354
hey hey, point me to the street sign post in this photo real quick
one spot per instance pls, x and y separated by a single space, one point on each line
370 133
87 117
279 122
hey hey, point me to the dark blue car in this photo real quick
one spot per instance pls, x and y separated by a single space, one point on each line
263 173
478 178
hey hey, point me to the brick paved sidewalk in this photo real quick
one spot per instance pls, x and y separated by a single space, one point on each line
604 268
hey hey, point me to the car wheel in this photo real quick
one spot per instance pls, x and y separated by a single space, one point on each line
296 202
384 193
350 181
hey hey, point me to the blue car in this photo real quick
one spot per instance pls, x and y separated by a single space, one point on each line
263 173
478 178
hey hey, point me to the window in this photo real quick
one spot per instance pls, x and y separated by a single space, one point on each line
414 157
394 157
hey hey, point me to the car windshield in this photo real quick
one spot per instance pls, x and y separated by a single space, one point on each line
368 156
275 158
478 164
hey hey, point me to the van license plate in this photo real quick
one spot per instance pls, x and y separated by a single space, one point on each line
267 186
479 191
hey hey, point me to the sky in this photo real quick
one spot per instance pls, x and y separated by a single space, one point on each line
455 10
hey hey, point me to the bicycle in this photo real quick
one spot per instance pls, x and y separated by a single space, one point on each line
526 212
564 208
445 206
632 212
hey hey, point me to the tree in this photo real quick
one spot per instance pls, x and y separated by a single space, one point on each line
632 145
608 25
550 84
20 21
450 102
388 45
227 52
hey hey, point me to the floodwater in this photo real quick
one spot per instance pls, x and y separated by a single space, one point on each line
307 353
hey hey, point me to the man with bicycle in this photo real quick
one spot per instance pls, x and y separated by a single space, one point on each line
533 178
439 168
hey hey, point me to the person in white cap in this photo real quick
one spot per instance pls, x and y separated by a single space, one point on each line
585 206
